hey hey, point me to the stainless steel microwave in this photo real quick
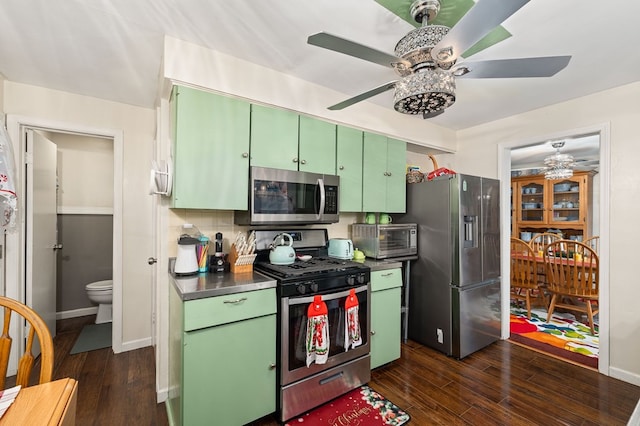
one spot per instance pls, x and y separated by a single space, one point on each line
385 241
290 197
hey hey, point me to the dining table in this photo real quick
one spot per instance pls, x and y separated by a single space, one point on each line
51 403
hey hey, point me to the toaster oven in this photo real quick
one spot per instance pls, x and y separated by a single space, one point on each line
380 241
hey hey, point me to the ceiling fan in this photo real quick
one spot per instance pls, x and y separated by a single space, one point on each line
426 59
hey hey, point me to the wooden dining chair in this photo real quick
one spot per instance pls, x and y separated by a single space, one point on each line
539 241
37 327
594 243
524 274
572 277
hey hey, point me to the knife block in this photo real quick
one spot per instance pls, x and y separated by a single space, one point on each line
240 264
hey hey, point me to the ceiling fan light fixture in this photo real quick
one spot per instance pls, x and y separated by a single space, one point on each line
425 92
558 166
415 47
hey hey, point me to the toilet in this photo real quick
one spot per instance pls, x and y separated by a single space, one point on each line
101 292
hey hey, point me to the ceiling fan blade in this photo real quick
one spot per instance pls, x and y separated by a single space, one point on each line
513 68
363 96
484 16
428 115
351 48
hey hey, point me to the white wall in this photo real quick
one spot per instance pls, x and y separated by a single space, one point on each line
138 126
619 108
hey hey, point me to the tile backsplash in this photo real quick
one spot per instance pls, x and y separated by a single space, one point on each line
209 222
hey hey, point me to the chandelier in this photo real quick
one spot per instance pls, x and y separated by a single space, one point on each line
425 92
558 166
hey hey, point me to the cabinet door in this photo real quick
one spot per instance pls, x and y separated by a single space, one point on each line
374 169
317 146
229 377
274 138
385 326
566 198
396 178
532 201
349 168
211 146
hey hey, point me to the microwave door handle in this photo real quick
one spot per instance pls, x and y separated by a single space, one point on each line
322 199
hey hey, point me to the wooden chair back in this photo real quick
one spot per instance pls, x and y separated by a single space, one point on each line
594 243
572 273
539 241
524 273
26 361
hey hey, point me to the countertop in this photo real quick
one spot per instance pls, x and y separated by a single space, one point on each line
207 284
382 264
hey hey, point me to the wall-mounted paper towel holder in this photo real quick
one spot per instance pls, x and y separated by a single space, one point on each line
161 178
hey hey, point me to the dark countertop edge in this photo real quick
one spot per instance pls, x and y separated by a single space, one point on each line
251 282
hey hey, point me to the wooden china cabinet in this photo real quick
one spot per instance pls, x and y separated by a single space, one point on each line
540 205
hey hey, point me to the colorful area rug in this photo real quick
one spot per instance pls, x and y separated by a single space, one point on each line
362 406
563 336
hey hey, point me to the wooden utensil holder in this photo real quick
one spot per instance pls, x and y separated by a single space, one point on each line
240 263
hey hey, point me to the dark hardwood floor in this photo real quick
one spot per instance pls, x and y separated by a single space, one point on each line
499 385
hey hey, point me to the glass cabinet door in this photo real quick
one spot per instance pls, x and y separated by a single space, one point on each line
566 197
532 201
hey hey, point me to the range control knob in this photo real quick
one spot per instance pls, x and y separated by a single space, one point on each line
362 278
314 286
301 289
351 280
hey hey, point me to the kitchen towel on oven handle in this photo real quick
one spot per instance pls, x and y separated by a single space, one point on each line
317 341
352 334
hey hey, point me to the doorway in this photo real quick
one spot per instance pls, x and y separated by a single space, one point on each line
15 260
601 218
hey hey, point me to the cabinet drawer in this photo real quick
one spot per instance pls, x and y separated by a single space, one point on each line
218 310
388 278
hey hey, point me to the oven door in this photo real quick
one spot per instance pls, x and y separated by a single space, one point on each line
294 328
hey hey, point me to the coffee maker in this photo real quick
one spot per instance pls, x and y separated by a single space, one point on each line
218 261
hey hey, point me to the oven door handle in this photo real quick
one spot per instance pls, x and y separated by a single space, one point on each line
326 297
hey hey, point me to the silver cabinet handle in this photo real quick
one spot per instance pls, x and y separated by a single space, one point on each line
57 246
341 167
295 160
272 366
388 173
388 274
373 332
303 162
245 155
235 302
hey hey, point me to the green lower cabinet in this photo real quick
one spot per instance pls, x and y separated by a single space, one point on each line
386 299
228 373
222 357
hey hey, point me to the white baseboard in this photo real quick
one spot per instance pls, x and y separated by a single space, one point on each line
634 420
136 344
77 313
161 395
625 376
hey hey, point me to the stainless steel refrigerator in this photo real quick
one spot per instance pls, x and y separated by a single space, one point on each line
454 303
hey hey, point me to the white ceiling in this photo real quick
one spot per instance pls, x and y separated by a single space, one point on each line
112 49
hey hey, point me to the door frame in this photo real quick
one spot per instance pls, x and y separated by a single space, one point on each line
504 172
15 253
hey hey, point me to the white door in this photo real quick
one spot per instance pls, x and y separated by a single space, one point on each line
41 227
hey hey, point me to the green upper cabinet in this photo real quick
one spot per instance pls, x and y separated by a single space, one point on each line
349 168
210 148
281 139
384 182
274 138
317 146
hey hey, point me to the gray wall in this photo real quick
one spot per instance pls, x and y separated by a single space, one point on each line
86 256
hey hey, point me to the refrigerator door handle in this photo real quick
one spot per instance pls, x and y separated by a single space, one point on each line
470 231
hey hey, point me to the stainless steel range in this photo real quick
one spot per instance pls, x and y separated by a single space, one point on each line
347 366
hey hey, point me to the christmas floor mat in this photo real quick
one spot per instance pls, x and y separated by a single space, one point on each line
361 406
563 336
